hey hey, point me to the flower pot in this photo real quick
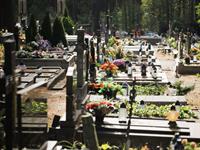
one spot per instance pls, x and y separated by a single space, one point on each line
109 74
107 95
114 94
99 117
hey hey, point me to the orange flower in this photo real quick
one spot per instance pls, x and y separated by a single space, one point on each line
108 66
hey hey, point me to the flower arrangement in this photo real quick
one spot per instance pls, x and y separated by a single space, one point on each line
120 63
95 86
109 68
110 90
190 145
99 109
104 106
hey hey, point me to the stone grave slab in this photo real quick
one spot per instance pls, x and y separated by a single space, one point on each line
41 79
160 99
48 70
22 86
161 78
151 130
27 79
46 75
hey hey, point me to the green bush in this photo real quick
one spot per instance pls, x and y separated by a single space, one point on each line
58 33
31 31
150 89
46 30
68 25
182 90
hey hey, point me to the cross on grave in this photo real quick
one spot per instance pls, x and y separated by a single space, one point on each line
92 62
188 42
143 69
180 47
81 68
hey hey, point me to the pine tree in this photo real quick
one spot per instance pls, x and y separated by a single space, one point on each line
68 25
66 13
46 30
58 33
31 31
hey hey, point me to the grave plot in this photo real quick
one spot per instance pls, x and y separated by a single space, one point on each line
34 123
33 75
137 49
187 56
63 62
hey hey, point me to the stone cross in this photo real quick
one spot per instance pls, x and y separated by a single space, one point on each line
87 57
70 96
81 69
80 58
180 48
89 133
188 42
98 43
92 62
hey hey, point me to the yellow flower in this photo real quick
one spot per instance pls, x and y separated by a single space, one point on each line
105 146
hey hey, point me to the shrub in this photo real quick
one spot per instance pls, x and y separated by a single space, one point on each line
58 33
46 30
31 31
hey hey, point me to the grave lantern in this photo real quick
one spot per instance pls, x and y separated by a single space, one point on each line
154 73
125 85
126 65
178 105
172 117
179 144
142 104
129 71
143 69
122 113
21 67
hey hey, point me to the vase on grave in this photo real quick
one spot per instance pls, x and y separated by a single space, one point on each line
99 117
109 74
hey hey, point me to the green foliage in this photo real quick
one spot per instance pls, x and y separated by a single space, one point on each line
46 30
152 110
34 107
111 41
71 145
172 42
38 8
150 89
198 12
198 75
58 33
23 54
182 90
66 13
117 18
68 25
31 32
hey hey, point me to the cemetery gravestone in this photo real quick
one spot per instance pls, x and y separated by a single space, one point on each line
81 69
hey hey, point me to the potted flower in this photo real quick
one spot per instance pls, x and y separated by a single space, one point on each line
110 90
95 87
99 109
120 64
109 68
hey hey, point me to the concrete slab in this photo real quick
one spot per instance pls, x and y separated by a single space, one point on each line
161 99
